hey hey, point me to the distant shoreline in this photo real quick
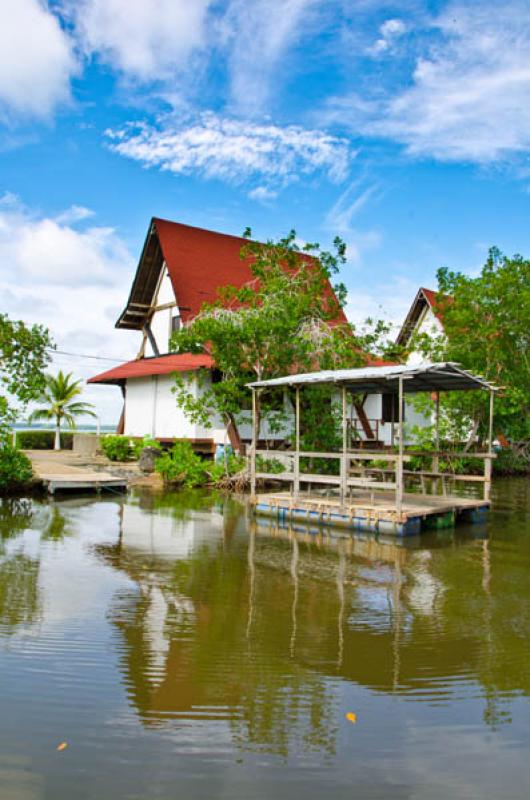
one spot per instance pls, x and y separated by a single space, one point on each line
21 426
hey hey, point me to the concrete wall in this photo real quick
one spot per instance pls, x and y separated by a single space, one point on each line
86 444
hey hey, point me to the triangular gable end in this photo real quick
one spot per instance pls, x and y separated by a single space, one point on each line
199 262
425 299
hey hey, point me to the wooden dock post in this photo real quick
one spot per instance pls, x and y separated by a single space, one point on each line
296 482
488 463
344 459
435 466
399 464
254 448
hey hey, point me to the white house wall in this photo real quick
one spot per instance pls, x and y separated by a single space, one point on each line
428 323
161 320
151 409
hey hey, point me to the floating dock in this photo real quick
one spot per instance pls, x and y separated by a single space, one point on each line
366 489
376 513
56 472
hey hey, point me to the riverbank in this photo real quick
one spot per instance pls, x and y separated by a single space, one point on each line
47 464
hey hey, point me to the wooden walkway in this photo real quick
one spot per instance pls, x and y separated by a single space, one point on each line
58 471
374 511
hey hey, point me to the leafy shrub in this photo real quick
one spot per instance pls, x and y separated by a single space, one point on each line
15 469
508 462
116 448
219 470
139 444
43 440
272 465
182 465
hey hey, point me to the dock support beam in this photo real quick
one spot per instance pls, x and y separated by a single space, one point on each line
399 464
344 459
296 482
488 462
254 447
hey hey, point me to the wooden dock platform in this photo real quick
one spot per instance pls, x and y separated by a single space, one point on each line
374 512
57 472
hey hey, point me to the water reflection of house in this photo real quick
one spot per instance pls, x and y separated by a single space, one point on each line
255 627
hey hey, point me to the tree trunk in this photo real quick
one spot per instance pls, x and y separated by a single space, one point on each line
472 435
233 435
57 444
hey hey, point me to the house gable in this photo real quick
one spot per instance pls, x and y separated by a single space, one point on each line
422 315
199 263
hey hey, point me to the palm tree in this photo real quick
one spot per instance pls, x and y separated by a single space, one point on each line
58 394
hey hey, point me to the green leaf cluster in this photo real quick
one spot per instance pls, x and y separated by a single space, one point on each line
486 322
287 318
24 355
15 469
116 448
182 466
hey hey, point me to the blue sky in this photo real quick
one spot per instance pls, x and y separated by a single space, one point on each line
402 127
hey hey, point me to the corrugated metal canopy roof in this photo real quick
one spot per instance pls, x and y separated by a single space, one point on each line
446 376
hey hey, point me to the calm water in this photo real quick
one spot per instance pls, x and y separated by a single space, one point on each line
182 651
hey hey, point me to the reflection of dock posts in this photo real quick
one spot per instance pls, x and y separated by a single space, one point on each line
294 576
488 459
344 459
396 619
296 482
399 464
251 573
340 587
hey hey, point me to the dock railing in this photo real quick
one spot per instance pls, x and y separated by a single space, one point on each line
376 470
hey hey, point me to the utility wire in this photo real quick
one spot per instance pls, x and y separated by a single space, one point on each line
86 355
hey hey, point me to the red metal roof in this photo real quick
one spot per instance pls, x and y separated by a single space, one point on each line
162 365
435 300
200 262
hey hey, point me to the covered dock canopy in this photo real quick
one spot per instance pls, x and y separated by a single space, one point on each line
426 377
396 379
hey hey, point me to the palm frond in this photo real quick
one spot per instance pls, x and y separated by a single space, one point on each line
41 413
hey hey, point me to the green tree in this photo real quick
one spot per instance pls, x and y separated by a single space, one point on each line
287 317
59 395
486 323
24 355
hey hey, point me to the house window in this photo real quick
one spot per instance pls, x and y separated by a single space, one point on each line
390 408
175 323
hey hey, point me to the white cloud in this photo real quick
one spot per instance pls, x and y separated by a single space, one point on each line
234 150
348 205
47 249
72 281
262 194
146 40
390 31
36 61
389 301
74 214
339 221
470 93
260 35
